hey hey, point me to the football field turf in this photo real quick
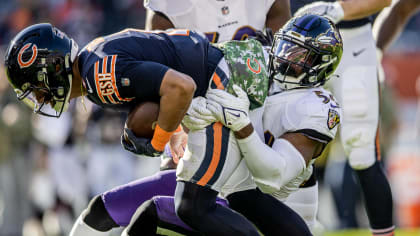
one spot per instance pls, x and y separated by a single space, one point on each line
399 232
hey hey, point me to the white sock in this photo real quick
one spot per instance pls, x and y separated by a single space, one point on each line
80 228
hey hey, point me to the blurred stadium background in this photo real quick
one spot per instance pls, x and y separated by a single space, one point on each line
49 168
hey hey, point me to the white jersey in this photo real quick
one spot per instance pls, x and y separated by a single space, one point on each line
221 20
312 112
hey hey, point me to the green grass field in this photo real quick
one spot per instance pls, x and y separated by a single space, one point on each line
399 232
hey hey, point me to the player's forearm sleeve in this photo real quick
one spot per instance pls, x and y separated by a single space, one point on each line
271 167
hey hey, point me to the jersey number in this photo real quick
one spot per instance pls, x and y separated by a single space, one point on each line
327 98
241 34
92 45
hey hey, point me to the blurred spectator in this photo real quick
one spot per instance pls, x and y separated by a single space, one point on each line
56 163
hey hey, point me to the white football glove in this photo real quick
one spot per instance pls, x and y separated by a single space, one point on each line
198 116
332 10
230 110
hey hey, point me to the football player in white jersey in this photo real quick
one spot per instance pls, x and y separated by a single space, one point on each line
225 20
300 58
358 93
221 20
297 121
230 20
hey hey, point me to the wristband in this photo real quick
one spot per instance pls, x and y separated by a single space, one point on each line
160 138
179 129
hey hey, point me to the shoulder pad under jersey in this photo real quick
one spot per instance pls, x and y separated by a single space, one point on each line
170 8
315 113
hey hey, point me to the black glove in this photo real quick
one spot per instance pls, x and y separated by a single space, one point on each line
138 145
265 38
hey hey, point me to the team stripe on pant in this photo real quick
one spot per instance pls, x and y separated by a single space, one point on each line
219 80
215 156
383 232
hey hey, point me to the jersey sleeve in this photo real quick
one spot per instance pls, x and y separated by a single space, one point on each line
316 115
142 80
113 81
169 8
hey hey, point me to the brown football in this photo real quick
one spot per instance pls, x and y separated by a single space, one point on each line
142 118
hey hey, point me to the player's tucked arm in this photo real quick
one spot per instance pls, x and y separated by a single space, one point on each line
276 166
278 14
157 21
394 22
153 81
357 9
176 92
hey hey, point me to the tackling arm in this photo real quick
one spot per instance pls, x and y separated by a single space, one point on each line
274 167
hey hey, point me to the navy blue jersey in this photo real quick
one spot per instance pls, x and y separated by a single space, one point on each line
127 68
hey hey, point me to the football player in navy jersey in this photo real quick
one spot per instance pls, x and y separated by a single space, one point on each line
118 71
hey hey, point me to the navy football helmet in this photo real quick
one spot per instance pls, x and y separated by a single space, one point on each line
39 67
305 52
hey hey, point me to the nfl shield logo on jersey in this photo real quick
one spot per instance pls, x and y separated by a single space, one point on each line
333 119
225 10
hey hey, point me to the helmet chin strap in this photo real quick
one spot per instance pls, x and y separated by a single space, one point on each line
275 87
287 83
62 106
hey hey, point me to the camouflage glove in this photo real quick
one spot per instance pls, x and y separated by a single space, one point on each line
333 10
138 145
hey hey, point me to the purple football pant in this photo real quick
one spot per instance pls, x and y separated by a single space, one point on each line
123 201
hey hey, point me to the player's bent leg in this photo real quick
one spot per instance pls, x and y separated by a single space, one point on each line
378 199
115 208
196 206
98 217
94 221
361 144
211 157
375 188
271 216
123 201
144 221
160 212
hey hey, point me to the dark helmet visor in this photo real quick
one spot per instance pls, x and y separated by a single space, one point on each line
292 59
